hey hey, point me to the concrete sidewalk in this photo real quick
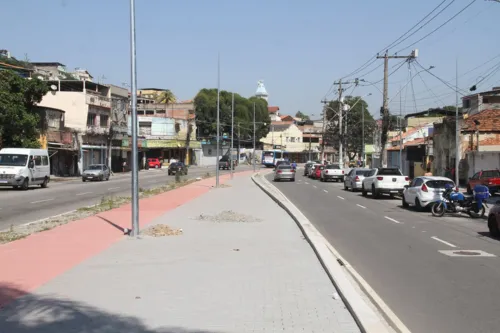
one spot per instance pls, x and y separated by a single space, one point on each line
251 273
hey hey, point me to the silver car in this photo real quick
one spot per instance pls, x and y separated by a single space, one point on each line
284 172
354 179
96 172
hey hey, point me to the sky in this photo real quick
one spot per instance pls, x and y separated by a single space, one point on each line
299 48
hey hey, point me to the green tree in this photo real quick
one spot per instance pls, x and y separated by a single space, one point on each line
166 97
353 118
206 114
19 121
301 116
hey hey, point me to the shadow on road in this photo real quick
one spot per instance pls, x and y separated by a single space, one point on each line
487 235
44 314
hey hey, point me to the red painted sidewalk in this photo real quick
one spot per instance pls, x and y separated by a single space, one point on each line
28 263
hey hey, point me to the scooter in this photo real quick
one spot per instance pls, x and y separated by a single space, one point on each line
454 201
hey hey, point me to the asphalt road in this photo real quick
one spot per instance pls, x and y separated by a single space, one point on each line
18 207
397 251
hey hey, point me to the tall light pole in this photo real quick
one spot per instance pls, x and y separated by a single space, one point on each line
135 171
400 134
363 133
254 158
218 124
457 129
232 135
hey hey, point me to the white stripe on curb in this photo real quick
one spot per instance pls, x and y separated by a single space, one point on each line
371 318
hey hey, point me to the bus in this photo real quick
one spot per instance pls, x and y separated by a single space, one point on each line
270 157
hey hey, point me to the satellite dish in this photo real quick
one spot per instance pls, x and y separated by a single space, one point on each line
53 87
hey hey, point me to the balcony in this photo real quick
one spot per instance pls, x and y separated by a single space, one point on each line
98 100
97 130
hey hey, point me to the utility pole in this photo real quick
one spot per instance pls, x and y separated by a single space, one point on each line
272 144
400 133
232 136
457 129
254 158
363 133
218 124
239 142
325 102
135 171
384 111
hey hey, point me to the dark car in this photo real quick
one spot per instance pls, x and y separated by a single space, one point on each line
224 163
177 167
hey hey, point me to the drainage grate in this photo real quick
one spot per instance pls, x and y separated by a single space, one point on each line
466 253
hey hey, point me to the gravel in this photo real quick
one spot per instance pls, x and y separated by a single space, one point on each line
228 216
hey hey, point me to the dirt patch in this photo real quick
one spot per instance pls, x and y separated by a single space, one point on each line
107 203
228 216
161 230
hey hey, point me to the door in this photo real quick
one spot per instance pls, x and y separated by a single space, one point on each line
348 178
37 170
413 189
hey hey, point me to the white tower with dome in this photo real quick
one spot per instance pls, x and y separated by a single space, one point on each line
261 90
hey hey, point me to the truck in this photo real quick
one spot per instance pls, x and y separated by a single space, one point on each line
332 172
384 181
488 178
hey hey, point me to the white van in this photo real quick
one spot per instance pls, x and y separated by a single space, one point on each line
22 167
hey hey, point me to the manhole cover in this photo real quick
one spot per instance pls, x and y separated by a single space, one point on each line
467 253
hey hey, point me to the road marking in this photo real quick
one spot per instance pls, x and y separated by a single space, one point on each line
307 183
113 188
83 193
338 196
325 191
361 206
39 201
466 253
443 241
393 220
315 186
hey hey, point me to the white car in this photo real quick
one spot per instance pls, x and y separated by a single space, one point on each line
384 181
332 171
424 190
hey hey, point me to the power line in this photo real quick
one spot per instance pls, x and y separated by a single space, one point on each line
425 84
442 25
445 82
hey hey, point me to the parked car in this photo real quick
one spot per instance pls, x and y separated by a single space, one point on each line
332 172
307 167
154 162
354 179
489 178
423 191
224 163
284 171
494 220
384 181
316 173
177 167
23 167
96 172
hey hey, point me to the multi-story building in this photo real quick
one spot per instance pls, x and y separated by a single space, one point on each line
486 100
167 131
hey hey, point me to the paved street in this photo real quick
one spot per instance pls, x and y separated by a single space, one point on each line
17 207
398 252
238 266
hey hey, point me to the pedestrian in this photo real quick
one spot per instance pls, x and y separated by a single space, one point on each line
124 166
428 173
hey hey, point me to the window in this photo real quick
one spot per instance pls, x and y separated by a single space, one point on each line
104 121
91 119
466 103
417 182
38 160
292 139
45 160
150 112
439 183
160 111
140 112
476 176
486 101
389 172
334 166
177 127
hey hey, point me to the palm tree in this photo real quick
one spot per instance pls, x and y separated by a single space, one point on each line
166 97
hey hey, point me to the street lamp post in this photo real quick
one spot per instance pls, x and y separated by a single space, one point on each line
254 157
218 124
232 136
135 173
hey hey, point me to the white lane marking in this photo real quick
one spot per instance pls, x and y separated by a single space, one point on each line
113 188
424 231
361 206
40 201
83 193
307 183
315 186
393 220
338 196
325 191
443 241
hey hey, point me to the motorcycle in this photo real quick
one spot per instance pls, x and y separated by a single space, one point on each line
454 201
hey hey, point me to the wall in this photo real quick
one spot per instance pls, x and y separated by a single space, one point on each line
73 103
478 161
421 121
291 132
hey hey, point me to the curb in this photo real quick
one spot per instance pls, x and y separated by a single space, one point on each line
339 271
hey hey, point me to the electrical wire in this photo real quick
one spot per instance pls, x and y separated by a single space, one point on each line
427 87
443 81
442 25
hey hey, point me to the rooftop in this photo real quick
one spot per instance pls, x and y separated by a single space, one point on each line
273 109
487 121
47 64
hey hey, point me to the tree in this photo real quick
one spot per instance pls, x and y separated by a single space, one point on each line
353 138
165 97
206 114
19 121
301 116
